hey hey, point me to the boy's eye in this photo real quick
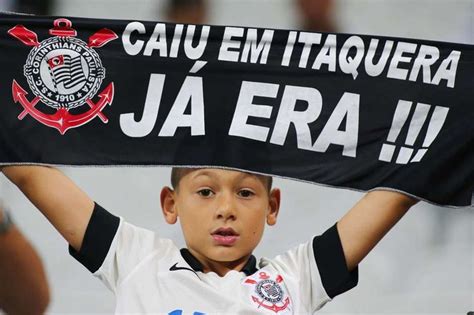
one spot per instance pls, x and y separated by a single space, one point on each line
246 193
205 192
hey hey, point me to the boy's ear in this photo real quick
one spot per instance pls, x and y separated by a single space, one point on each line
168 205
274 206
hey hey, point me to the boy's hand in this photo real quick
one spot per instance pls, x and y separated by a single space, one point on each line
368 221
66 206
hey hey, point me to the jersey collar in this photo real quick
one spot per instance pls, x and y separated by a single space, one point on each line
249 268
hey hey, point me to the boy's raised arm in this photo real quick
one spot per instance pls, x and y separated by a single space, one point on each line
63 203
368 221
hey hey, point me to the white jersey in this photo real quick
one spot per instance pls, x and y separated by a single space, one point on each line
150 275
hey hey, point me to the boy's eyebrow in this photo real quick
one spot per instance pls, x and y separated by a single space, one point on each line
210 174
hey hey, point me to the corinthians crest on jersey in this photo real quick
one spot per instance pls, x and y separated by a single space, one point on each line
63 72
269 292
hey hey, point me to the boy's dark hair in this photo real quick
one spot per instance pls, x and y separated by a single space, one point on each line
178 172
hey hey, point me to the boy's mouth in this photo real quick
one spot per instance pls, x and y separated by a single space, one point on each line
225 236
225 232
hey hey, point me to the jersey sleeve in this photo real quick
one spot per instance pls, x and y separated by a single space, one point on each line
112 248
331 263
319 268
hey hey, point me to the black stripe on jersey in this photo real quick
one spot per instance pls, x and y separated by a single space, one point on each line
332 265
249 268
99 235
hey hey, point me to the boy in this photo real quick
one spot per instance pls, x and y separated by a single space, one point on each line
222 214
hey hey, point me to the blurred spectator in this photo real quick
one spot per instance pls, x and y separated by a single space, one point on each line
186 11
23 285
42 7
317 15
6 5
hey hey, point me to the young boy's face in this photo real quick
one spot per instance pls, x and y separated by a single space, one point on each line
222 213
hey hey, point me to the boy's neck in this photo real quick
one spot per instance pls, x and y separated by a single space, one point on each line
222 268
219 267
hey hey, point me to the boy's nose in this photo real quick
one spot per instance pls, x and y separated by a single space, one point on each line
226 208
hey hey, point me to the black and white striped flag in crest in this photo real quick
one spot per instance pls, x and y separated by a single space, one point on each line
67 70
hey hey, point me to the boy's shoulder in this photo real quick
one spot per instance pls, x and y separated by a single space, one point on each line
111 238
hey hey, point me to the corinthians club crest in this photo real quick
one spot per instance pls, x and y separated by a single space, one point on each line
269 293
64 73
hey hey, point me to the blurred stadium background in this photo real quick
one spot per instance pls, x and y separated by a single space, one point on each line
424 266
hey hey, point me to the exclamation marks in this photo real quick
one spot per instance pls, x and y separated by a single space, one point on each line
436 123
399 119
407 154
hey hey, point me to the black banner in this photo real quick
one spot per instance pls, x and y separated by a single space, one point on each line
343 110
